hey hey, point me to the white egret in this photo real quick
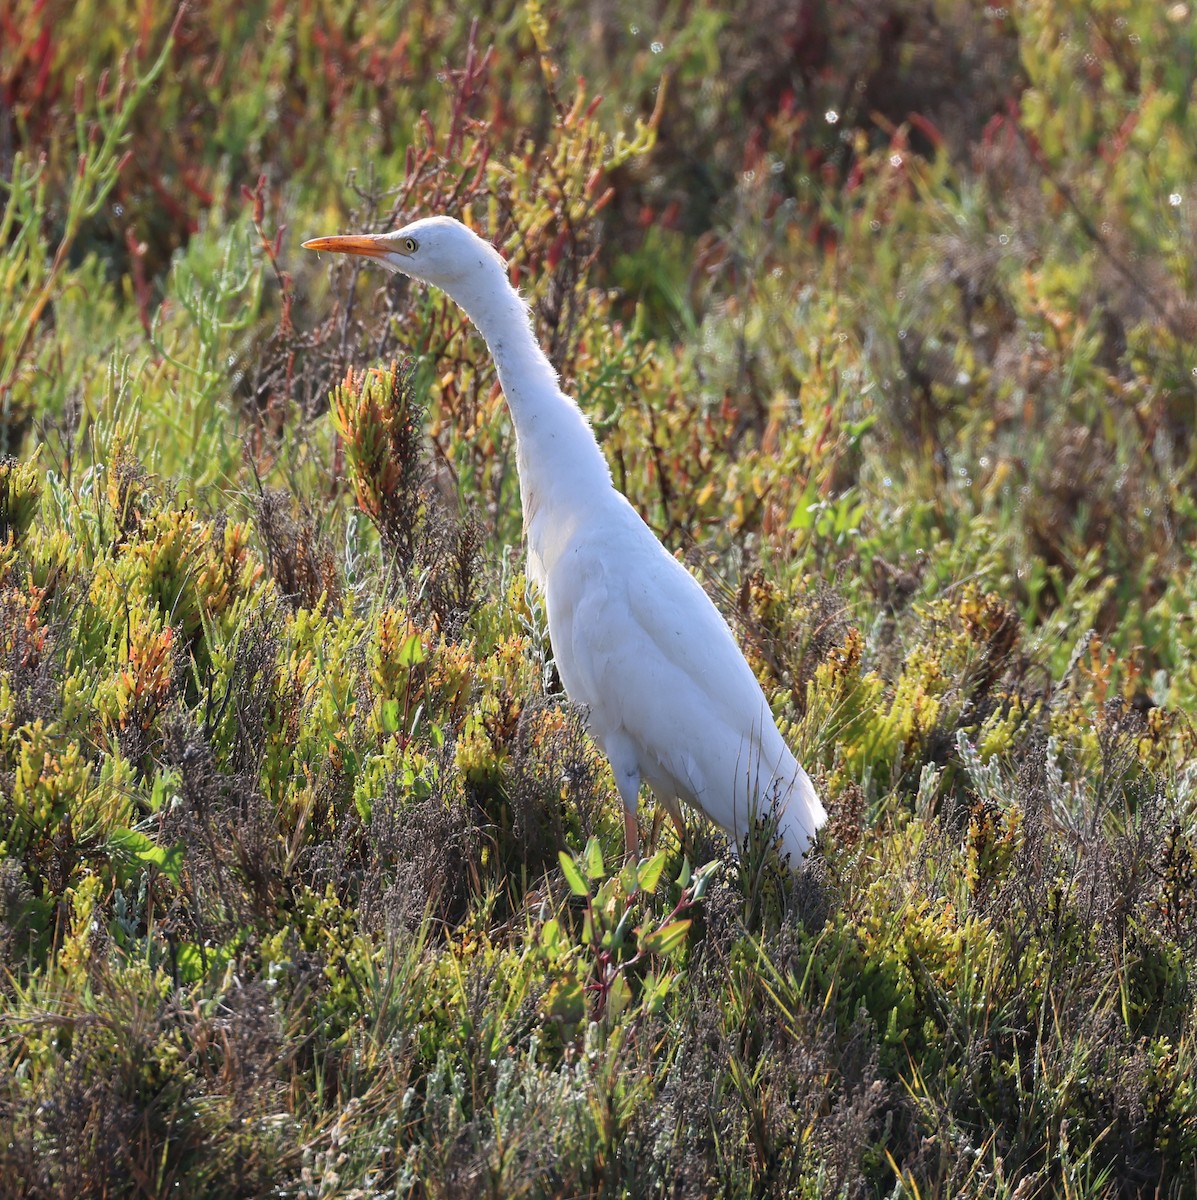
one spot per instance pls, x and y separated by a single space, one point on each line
668 695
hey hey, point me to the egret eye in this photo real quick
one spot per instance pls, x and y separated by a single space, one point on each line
409 244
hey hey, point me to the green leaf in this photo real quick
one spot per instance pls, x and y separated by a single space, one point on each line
649 872
627 878
129 841
614 938
194 961
168 860
847 516
349 759
654 992
390 716
606 899
411 653
166 783
190 962
573 876
594 859
364 807
565 1001
703 878
619 995
855 430
550 933
668 937
804 513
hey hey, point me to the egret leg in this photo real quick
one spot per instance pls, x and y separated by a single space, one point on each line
631 835
627 779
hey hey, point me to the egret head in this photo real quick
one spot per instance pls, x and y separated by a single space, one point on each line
436 250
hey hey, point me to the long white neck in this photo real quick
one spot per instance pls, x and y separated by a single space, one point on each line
562 471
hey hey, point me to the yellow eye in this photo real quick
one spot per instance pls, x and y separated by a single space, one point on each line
409 244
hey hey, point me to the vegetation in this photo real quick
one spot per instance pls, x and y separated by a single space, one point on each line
309 874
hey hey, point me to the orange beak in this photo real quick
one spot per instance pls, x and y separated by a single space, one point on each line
366 244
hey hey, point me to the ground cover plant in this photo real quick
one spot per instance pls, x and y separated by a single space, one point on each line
310 878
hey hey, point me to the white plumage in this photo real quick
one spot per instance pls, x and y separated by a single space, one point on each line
638 643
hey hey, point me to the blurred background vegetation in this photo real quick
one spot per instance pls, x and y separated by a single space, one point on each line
884 314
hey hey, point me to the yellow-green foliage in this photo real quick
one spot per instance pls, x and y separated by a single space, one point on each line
310 878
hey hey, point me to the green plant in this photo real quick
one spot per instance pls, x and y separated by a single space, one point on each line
616 944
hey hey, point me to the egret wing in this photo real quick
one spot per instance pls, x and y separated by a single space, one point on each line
641 645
